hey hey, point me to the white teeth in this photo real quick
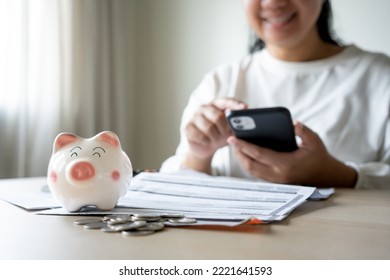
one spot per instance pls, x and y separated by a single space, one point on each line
279 20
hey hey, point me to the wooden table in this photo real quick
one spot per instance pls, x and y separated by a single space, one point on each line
352 224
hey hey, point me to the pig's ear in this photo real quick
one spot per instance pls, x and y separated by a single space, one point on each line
109 137
62 140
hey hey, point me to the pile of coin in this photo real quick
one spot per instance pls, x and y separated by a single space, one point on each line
134 224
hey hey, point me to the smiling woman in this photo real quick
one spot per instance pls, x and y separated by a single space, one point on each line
323 25
295 26
338 95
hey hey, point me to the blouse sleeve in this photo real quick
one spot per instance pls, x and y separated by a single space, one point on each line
376 175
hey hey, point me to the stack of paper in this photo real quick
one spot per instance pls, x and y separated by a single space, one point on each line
215 198
211 200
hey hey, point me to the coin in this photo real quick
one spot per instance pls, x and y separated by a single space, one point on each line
129 225
183 220
142 217
152 227
97 225
136 224
172 216
109 229
146 216
117 222
117 217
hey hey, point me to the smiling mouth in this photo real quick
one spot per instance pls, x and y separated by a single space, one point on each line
280 20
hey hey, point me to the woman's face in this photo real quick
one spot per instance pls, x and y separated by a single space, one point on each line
283 23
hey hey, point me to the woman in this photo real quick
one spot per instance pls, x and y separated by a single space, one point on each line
338 95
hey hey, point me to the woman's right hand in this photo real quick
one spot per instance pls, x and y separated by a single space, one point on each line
208 131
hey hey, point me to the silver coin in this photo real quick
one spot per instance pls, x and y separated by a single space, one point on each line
128 226
124 217
85 221
109 229
136 233
146 216
172 216
152 227
183 220
117 222
97 225
142 217
117 217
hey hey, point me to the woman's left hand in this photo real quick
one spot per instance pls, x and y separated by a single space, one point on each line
311 164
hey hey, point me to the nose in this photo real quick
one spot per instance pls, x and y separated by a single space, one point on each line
82 171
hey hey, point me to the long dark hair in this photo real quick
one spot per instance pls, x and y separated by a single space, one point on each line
324 26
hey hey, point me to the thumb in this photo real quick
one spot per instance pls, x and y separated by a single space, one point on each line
229 104
308 137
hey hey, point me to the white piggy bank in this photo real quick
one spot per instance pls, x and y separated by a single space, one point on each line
84 172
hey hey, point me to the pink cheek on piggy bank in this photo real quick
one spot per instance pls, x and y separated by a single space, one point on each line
115 175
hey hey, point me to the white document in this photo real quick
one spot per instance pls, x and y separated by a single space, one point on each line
214 197
211 200
320 194
28 193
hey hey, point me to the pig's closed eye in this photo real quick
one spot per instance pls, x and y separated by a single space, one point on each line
73 151
98 151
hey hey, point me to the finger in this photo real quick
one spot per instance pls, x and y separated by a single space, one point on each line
263 155
195 135
229 104
206 127
256 168
218 118
308 136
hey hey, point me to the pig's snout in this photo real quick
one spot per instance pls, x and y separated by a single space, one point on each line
82 171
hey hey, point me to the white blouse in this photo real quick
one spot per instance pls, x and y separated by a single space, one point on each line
344 99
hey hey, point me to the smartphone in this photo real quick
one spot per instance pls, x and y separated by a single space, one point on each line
266 127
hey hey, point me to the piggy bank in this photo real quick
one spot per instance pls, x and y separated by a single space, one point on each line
85 172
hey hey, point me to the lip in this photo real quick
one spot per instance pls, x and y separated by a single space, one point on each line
279 20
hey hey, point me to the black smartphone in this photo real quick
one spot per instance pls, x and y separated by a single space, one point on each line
266 127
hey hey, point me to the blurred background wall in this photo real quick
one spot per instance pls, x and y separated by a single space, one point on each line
161 51
176 43
364 23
